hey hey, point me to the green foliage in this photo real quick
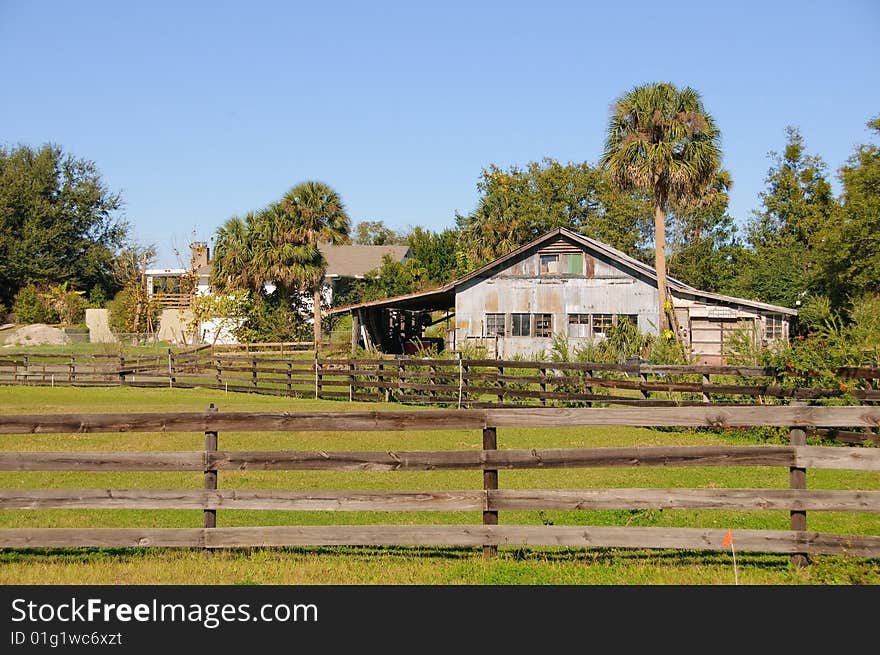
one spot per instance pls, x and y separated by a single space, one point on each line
623 341
518 205
31 306
58 221
435 253
662 141
848 250
68 303
798 209
375 233
132 312
393 278
813 359
274 317
97 297
224 311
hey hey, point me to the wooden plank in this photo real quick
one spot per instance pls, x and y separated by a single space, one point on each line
244 499
101 537
504 459
832 457
242 421
712 416
102 461
780 541
726 499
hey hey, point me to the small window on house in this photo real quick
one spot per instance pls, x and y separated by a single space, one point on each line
543 325
494 325
520 325
602 323
573 263
578 325
549 264
633 319
774 327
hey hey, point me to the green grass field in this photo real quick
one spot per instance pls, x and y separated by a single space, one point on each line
338 565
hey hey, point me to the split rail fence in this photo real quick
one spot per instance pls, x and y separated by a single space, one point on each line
463 383
490 462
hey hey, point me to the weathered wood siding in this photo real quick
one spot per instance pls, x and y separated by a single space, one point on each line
603 287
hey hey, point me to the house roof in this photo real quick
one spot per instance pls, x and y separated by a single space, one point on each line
357 260
442 294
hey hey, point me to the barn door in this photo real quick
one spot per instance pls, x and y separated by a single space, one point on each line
708 336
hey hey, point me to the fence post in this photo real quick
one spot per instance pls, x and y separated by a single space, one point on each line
500 385
706 398
490 483
798 480
350 381
121 369
254 371
643 379
210 475
317 376
387 390
25 372
71 369
543 385
289 372
170 368
401 369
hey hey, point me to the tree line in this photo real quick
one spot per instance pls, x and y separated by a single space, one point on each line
657 193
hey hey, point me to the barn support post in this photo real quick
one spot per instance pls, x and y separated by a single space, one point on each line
490 483
210 515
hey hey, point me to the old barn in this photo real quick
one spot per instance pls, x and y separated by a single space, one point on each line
561 283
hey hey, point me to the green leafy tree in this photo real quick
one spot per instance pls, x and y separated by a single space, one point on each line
375 233
435 253
663 142
317 215
704 249
848 249
58 221
393 278
32 306
518 205
797 209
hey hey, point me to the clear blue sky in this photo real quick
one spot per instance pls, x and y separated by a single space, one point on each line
197 111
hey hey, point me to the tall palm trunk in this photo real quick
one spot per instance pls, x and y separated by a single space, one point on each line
660 263
317 315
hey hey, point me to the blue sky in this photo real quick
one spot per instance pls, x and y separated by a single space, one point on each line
198 111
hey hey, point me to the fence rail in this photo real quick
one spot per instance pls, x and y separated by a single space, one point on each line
490 500
460 383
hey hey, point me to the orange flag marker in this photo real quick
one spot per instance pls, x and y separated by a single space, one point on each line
728 541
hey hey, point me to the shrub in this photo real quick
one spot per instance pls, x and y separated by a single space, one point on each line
30 306
132 312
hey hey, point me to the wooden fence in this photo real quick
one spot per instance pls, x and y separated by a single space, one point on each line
489 499
459 382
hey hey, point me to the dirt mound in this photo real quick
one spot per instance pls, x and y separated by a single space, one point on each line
36 334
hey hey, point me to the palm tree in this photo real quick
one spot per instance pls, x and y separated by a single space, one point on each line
232 265
662 141
311 213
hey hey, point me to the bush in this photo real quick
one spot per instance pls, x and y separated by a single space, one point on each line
31 306
132 312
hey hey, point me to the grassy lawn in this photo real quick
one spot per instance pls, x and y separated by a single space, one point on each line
345 565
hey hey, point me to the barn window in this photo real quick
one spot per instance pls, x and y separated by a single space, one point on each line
520 325
578 325
774 327
549 264
602 323
543 325
494 325
573 263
